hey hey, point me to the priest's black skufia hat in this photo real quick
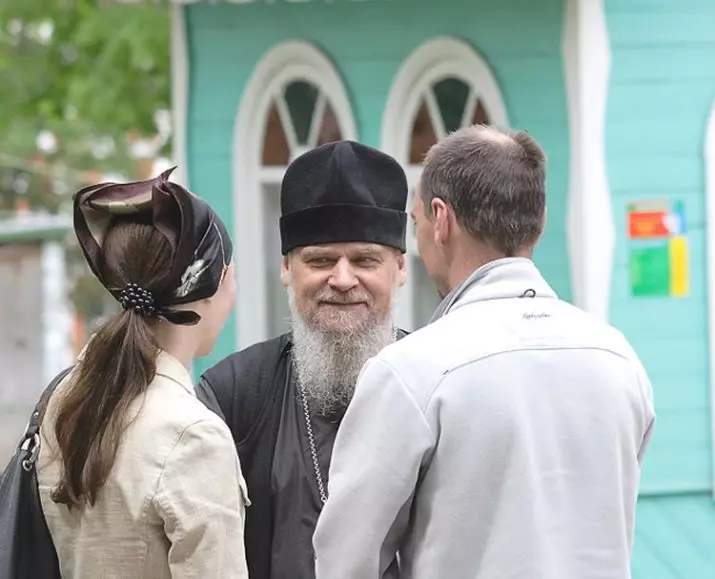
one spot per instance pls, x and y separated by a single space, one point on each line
201 246
343 192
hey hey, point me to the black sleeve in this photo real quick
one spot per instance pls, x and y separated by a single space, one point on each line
237 387
205 393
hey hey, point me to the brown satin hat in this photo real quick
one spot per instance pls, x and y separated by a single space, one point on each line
201 246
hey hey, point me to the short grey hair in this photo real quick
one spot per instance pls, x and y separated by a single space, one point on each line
494 180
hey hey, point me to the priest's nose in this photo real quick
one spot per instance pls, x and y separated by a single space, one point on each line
343 278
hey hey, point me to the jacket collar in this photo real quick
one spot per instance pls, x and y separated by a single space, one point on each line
511 277
169 367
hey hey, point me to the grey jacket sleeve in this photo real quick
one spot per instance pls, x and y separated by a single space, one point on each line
381 444
649 417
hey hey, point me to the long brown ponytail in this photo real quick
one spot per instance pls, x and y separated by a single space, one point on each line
118 364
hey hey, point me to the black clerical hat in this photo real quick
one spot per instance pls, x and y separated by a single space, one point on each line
341 192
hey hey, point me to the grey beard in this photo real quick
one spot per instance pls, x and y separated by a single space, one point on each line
328 363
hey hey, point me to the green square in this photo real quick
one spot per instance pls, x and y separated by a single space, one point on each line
650 271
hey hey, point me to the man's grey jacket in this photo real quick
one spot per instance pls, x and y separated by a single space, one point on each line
502 440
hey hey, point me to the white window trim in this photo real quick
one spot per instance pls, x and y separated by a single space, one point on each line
179 93
287 62
430 62
710 257
590 227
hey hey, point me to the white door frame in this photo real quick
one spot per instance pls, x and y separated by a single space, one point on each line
590 227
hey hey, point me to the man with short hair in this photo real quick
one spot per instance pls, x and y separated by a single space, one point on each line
342 230
505 438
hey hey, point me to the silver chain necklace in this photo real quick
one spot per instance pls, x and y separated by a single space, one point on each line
313 446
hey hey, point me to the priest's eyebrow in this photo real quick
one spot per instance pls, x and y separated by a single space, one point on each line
375 252
317 252
371 251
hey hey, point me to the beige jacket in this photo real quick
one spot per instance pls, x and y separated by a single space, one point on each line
173 506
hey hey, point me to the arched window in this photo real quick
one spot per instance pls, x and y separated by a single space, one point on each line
299 118
442 86
294 102
446 105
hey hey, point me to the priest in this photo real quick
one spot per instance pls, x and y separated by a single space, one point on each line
342 228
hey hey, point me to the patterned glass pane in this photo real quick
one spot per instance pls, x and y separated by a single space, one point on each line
329 130
423 136
275 144
451 95
301 98
480 115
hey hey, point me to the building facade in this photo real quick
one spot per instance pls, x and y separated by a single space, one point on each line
618 92
35 317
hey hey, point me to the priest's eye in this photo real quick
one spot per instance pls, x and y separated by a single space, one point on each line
321 262
367 262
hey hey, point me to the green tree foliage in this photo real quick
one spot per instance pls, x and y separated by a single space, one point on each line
91 72
90 76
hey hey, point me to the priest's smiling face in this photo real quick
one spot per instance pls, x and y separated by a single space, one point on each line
342 302
344 287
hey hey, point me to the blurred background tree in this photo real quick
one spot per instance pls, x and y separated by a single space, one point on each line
84 96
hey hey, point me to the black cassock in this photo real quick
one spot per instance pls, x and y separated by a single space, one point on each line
256 392
297 498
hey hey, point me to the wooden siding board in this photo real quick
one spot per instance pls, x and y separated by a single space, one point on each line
674 538
660 96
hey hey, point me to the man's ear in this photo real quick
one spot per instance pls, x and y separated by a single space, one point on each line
285 270
443 220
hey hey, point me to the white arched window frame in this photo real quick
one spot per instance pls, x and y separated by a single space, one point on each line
710 247
435 60
286 63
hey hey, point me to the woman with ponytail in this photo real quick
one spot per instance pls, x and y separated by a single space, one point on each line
138 479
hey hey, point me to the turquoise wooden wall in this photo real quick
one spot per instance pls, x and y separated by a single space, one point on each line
674 537
520 39
662 88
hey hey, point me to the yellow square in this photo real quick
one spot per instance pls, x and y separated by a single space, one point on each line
678 250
